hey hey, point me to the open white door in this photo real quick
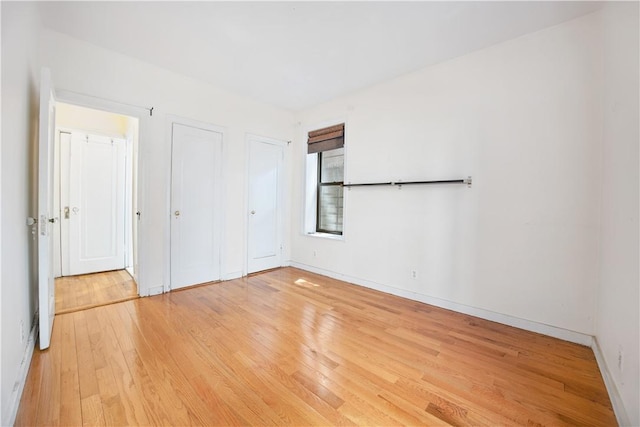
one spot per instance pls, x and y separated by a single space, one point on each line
265 205
46 289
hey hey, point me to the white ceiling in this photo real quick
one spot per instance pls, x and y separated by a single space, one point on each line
298 54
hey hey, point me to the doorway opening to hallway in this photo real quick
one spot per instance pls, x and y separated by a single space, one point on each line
95 203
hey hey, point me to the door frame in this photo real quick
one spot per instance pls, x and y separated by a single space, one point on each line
283 211
144 125
170 120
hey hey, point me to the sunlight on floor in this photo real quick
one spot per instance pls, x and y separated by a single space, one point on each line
305 283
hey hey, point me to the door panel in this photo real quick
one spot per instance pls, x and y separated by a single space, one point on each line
195 206
96 204
46 288
264 227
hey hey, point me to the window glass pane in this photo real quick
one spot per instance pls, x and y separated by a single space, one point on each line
332 165
330 205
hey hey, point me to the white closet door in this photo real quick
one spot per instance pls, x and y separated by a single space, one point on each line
265 207
195 205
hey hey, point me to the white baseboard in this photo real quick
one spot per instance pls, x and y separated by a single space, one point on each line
154 290
529 325
233 275
616 401
21 378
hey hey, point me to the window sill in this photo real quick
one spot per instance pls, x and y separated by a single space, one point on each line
326 236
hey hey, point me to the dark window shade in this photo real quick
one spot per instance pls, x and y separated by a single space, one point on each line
326 139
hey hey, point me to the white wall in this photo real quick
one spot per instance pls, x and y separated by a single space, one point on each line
524 119
81 67
20 80
618 323
100 122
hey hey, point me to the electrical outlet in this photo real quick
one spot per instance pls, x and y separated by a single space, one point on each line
620 359
414 274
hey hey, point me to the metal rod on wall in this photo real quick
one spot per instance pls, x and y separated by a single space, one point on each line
467 181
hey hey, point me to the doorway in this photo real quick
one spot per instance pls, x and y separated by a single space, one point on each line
95 244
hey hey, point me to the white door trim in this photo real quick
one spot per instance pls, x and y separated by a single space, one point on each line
57 209
170 120
249 138
145 239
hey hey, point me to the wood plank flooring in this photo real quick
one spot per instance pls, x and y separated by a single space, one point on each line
289 347
75 293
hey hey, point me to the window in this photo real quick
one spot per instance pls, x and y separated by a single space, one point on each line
330 200
326 150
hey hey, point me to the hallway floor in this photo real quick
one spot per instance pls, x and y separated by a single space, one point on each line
74 293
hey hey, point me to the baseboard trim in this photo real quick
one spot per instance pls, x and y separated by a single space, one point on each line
232 275
21 379
529 325
612 389
154 290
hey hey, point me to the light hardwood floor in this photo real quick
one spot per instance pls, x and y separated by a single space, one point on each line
75 293
290 347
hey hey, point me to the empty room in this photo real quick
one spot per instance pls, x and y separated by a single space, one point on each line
320 213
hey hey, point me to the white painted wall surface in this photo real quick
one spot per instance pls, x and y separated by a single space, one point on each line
81 67
524 119
618 322
20 80
91 121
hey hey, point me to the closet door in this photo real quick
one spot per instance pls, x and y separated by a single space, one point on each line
195 205
265 223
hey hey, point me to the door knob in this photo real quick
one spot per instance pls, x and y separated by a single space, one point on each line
253 212
177 213
75 210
